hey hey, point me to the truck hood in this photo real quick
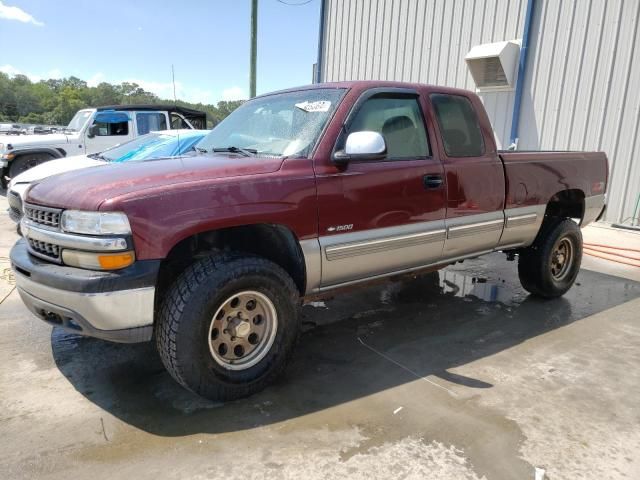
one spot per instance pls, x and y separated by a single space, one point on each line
87 189
19 142
53 167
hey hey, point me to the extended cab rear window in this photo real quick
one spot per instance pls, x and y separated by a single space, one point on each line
459 125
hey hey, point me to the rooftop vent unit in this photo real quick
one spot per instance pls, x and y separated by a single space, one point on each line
493 65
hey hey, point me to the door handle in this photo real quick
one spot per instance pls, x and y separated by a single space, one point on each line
432 181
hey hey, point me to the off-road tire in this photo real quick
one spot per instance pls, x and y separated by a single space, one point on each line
535 262
27 161
183 323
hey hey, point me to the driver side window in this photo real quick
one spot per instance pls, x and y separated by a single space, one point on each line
111 129
399 120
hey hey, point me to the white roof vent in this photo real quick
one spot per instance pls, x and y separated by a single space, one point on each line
493 66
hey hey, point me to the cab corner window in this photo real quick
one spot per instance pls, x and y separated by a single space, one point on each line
399 120
459 125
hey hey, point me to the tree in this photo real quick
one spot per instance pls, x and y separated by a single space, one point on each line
8 109
32 118
106 94
55 101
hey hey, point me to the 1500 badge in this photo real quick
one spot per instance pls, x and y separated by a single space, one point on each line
340 228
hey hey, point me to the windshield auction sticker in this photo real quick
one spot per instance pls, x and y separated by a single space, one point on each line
318 106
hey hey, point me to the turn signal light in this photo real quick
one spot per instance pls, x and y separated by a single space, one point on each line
98 261
116 261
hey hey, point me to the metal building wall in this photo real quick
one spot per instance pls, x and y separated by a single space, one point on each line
420 41
580 89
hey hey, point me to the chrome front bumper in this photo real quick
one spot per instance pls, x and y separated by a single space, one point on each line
123 316
113 306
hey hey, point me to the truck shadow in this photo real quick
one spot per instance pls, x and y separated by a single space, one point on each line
353 346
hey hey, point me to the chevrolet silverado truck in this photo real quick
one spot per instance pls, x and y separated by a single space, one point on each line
295 194
93 130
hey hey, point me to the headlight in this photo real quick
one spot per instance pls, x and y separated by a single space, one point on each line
95 223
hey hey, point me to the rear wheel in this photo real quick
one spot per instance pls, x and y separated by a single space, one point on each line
549 267
27 161
228 326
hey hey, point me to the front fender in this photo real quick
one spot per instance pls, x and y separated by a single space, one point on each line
54 152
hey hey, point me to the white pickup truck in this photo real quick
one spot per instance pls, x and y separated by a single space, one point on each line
93 130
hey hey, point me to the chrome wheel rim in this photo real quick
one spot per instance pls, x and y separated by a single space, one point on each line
562 258
242 330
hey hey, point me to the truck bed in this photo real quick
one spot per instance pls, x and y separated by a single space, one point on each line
534 177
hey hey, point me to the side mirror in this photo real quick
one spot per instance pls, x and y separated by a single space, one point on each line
361 146
93 131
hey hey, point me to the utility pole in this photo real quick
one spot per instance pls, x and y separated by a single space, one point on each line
254 48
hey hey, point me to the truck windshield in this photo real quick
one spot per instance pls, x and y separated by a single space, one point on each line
284 124
151 145
78 120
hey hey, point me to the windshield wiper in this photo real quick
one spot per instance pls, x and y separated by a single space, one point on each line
199 149
247 152
98 156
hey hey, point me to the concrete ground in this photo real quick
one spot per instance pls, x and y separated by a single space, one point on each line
456 375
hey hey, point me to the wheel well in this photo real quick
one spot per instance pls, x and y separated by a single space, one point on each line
48 153
273 242
567 204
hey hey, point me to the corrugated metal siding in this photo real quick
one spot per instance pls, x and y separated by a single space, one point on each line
583 89
581 84
419 41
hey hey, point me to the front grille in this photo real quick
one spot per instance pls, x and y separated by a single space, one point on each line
49 217
15 205
45 249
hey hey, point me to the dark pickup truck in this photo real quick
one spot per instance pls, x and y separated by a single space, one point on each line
295 194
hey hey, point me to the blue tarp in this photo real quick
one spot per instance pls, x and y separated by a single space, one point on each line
111 117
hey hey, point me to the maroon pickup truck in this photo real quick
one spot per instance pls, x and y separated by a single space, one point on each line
295 194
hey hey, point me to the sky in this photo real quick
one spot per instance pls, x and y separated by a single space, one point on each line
207 41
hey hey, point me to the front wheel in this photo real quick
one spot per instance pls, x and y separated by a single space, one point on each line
549 267
228 325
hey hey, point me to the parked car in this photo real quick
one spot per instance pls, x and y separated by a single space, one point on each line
295 195
166 143
38 130
10 129
93 130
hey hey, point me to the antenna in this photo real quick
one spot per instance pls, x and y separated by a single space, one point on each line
173 80
175 104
